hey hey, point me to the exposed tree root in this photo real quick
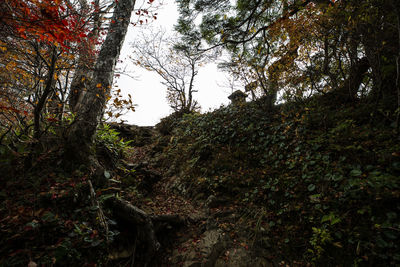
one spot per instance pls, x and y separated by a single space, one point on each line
146 226
130 214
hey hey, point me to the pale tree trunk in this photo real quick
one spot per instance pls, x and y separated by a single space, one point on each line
87 57
80 135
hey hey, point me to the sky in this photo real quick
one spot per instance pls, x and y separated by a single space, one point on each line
146 89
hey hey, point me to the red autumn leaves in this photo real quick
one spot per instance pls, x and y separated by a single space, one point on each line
52 21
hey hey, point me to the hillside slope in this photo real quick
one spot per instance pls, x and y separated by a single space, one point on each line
299 185
312 183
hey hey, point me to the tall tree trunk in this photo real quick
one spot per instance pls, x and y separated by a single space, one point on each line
349 89
381 47
87 56
80 135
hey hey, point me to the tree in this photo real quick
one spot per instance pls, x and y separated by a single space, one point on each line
81 133
303 47
37 41
175 63
87 56
47 20
99 23
47 49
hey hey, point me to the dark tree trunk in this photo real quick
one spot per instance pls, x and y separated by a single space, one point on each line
82 131
380 41
348 91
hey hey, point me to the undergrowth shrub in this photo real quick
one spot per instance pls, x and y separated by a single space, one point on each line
109 145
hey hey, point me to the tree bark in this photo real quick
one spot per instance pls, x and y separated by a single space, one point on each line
87 56
82 131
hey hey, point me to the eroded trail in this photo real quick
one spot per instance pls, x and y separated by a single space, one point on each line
199 231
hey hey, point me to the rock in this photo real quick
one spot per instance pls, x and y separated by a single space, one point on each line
240 257
206 251
211 223
178 186
139 135
211 246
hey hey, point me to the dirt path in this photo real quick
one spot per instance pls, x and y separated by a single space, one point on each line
210 235
164 199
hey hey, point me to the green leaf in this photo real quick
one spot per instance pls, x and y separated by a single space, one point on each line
107 174
326 218
311 187
382 243
94 208
355 172
391 215
105 197
335 220
331 217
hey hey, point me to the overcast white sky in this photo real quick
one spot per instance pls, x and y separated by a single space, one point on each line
150 95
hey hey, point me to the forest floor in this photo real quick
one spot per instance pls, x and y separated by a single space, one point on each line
45 220
240 186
